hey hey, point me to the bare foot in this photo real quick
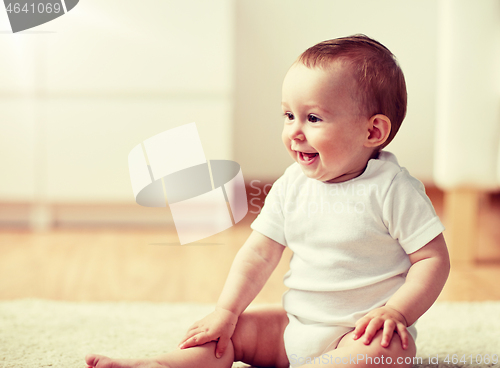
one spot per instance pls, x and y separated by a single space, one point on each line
101 361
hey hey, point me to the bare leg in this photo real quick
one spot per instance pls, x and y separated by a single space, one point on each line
257 340
354 353
198 356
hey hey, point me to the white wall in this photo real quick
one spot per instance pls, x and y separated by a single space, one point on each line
271 34
78 93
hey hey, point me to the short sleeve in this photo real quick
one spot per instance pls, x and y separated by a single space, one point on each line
408 213
270 222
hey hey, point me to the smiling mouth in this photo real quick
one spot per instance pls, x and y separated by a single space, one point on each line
307 158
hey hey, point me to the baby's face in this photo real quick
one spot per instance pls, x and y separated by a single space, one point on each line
323 129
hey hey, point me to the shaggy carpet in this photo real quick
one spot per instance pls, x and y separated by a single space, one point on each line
43 333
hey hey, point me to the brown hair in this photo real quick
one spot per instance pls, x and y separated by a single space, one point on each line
381 87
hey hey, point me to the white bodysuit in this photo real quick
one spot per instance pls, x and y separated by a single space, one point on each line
350 244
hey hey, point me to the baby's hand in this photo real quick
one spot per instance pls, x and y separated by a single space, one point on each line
385 318
217 326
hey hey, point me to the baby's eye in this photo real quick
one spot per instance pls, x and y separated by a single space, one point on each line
313 119
289 115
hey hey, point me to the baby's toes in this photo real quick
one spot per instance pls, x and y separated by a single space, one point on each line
101 361
98 361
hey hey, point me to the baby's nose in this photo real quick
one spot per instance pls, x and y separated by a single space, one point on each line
295 132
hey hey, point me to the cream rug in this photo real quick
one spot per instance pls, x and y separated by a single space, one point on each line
43 333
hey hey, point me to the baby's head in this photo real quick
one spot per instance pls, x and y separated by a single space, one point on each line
343 100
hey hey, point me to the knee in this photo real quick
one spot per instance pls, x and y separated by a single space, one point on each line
393 355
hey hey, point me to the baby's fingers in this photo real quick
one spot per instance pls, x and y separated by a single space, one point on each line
404 335
187 336
388 332
198 339
372 328
194 326
360 327
193 329
221 346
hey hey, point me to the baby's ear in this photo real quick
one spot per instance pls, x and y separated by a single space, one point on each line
379 129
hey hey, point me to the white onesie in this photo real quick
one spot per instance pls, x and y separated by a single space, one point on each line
350 244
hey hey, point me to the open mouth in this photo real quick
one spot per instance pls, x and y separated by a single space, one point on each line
307 158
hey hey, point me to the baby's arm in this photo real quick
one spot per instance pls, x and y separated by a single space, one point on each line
425 280
250 270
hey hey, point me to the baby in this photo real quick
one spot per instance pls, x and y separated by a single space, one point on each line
369 257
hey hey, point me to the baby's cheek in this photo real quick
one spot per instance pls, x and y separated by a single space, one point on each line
284 136
286 141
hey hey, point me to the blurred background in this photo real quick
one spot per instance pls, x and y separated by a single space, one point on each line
78 93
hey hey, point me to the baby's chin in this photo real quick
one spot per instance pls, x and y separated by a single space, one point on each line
327 179
312 174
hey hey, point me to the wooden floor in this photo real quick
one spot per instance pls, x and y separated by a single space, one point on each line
143 265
